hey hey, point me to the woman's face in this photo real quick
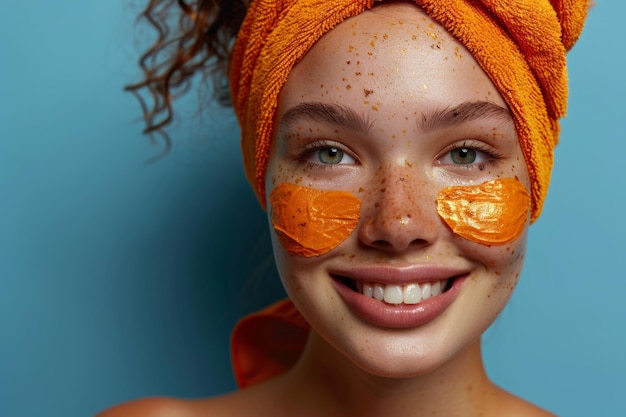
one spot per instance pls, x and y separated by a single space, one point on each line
390 108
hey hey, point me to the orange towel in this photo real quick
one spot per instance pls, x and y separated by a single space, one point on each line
520 44
267 343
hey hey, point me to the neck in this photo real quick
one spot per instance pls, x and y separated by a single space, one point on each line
327 380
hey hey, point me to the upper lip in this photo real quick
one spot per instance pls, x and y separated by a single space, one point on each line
400 275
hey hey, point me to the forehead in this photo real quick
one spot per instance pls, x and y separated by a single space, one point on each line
396 48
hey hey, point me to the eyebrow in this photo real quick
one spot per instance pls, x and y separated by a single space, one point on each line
342 116
462 113
330 113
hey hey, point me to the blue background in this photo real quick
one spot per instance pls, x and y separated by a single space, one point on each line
121 279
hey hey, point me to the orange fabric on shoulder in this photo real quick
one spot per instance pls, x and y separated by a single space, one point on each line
267 343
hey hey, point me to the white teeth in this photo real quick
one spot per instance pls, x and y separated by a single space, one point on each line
425 290
412 294
368 290
435 288
393 294
398 294
379 292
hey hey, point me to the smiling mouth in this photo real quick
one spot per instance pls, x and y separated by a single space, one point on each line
412 293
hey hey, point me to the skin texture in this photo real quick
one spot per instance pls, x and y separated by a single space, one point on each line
393 72
394 68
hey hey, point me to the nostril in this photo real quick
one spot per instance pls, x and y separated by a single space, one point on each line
390 229
418 242
382 244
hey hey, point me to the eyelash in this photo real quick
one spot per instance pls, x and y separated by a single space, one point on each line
305 153
492 156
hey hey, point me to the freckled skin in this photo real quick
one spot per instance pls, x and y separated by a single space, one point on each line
398 171
399 221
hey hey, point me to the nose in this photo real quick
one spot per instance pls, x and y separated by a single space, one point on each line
400 213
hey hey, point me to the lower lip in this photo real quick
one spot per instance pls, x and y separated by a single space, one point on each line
401 316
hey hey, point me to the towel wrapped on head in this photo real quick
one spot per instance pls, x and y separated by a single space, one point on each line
520 44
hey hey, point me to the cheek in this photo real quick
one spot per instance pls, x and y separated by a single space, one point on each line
492 213
310 222
505 264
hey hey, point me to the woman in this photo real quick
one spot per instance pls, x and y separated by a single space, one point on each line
401 152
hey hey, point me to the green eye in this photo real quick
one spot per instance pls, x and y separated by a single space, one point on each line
463 156
330 156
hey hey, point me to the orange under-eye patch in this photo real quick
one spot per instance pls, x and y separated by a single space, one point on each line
311 222
492 213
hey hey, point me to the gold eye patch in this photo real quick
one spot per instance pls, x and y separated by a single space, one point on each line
311 222
492 213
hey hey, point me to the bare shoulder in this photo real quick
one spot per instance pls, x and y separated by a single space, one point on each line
232 405
515 406
152 407
168 407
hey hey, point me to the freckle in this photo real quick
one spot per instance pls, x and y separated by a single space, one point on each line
358 73
375 108
348 87
361 189
367 92
348 62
